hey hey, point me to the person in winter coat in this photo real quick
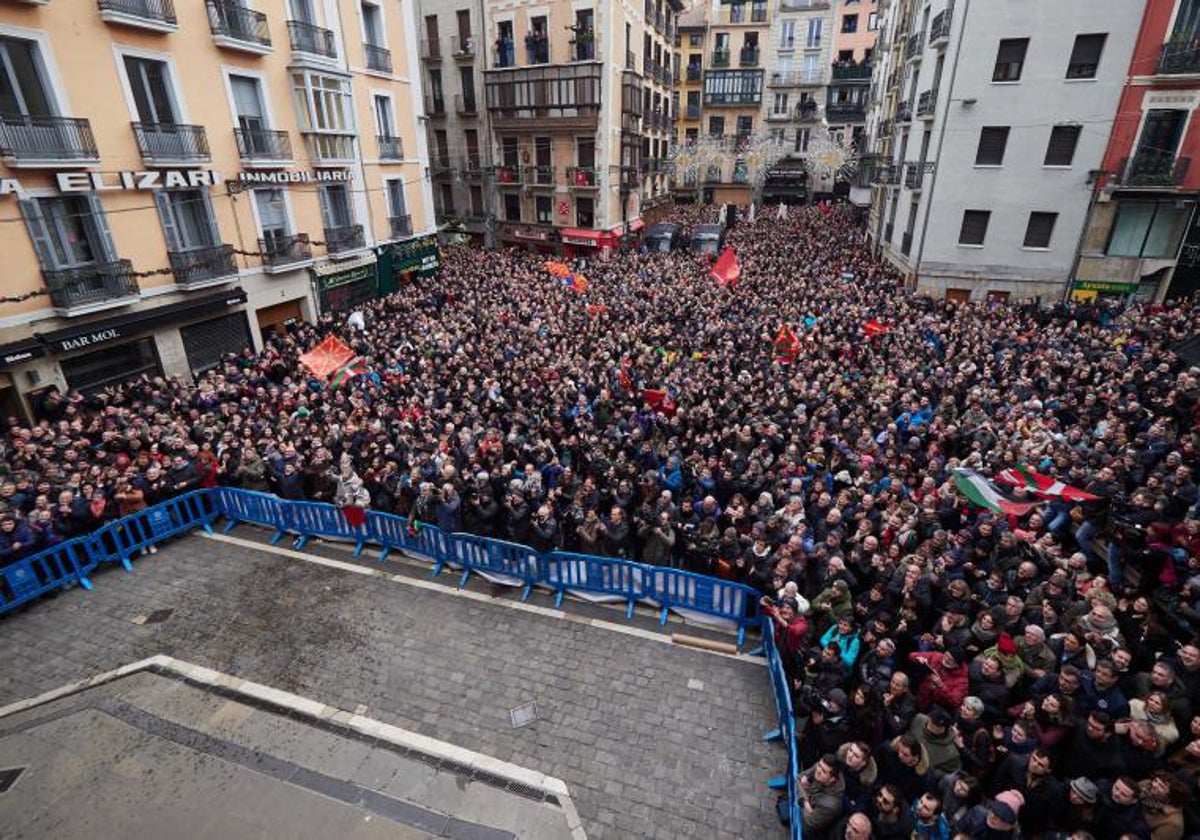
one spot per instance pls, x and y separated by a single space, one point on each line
820 790
936 735
904 763
946 685
543 530
658 540
929 823
16 539
447 510
251 471
986 681
861 775
845 637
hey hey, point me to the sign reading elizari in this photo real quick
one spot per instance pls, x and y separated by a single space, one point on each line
73 182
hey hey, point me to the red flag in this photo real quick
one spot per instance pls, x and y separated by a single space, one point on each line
355 516
624 381
787 346
659 400
824 208
595 309
873 328
726 269
327 357
1043 486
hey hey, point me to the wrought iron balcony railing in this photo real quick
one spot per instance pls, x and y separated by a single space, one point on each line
154 14
171 143
720 58
539 176
344 238
1150 168
90 285
1179 57
260 144
379 58
233 25
202 265
390 148
582 176
27 140
400 226
311 39
285 249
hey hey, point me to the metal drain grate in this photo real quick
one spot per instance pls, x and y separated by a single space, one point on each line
523 715
9 777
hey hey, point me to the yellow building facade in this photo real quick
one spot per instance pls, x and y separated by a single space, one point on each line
180 180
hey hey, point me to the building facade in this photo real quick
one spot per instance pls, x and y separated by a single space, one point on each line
1144 197
733 90
454 52
562 119
183 180
985 184
856 27
692 41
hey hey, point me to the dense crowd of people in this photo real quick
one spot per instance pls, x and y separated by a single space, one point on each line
957 672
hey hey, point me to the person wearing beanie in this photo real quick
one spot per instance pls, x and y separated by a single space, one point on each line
996 820
1005 651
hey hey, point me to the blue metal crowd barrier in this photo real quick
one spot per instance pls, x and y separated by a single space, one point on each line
625 579
790 808
58 567
675 589
510 563
316 519
121 539
238 506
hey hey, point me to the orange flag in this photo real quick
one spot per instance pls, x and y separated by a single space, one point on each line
327 357
579 283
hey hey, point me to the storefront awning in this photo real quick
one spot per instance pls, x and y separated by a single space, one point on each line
80 336
20 351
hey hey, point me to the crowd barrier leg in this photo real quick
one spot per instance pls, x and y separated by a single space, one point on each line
778 782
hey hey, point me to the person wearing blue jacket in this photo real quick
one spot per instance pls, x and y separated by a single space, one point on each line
845 637
16 539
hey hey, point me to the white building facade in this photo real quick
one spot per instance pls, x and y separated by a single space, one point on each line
989 119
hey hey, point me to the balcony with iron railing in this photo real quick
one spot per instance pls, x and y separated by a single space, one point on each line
203 266
583 177
1179 57
796 78
379 59
390 147
465 105
280 250
263 146
472 168
927 105
1149 168
328 148
852 71
748 57
47 141
539 176
400 226
845 112
339 240
463 49
91 287
720 58
164 144
939 29
311 40
431 49
916 45
505 175
904 112
236 27
154 15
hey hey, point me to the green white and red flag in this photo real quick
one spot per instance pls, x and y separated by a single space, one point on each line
1043 485
354 367
982 492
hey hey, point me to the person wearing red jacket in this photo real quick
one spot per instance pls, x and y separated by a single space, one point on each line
946 685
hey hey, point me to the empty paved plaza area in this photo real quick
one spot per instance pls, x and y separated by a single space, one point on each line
334 702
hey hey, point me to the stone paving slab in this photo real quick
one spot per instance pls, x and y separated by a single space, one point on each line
643 754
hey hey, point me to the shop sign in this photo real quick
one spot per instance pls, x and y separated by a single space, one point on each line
342 278
76 182
1105 286
18 356
79 342
417 255
295 176
579 240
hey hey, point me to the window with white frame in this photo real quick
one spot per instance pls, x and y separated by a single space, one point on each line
271 205
814 34
373 24
187 219
787 34
323 103
383 116
397 206
22 86
153 96
336 212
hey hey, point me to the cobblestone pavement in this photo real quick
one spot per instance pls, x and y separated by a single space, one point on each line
654 741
